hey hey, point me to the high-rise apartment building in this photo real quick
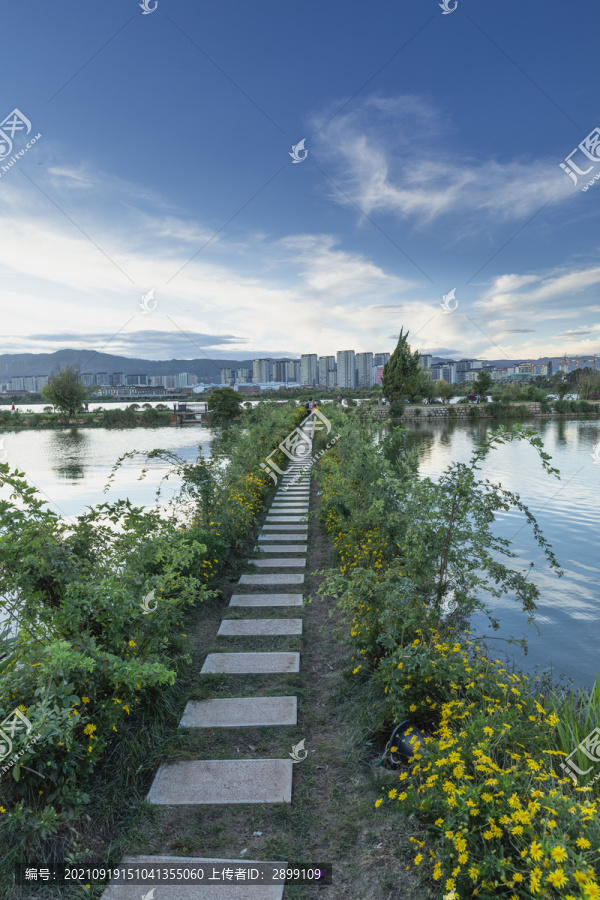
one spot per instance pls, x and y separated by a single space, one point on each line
262 371
346 369
281 371
380 359
426 360
243 374
309 371
294 370
327 373
364 366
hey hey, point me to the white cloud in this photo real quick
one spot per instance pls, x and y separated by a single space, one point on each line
400 156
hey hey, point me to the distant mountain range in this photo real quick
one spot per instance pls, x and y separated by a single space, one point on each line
15 365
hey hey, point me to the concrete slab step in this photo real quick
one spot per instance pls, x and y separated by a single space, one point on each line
258 600
287 536
217 781
272 579
228 891
256 627
300 526
250 663
287 548
242 712
271 518
284 563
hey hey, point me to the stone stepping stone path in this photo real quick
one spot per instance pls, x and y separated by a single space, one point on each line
284 518
292 562
250 663
245 712
287 548
239 781
264 580
284 527
233 891
209 781
235 627
249 600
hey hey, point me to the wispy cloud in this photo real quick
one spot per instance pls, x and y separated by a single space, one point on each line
402 156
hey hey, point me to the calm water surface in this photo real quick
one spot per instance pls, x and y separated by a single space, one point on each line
70 466
568 512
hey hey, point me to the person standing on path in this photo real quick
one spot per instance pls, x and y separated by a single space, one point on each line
13 410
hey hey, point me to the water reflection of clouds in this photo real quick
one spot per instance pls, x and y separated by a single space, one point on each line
569 516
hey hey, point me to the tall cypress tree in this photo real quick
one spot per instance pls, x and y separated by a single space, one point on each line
402 375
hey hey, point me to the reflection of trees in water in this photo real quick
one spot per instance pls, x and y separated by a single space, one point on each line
67 453
71 472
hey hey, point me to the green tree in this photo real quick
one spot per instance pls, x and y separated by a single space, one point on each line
224 403
443 389
65 390
482 383
588 383
402 374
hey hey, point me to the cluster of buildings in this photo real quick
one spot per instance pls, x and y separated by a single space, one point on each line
108 384
346 369
461 371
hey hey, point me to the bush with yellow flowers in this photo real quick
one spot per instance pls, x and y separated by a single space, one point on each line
502 818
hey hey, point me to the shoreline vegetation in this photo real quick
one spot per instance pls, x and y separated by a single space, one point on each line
486 780
97 646
153 417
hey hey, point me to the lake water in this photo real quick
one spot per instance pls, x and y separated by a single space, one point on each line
70 466
568 512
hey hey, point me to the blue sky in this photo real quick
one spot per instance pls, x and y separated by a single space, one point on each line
434 144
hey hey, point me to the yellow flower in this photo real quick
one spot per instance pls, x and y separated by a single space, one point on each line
132 643
418 858
557 878
85 699
552 720
583 843
89 729
558 854
536 851
378 802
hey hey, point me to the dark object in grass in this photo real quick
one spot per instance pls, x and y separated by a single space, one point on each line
401 749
